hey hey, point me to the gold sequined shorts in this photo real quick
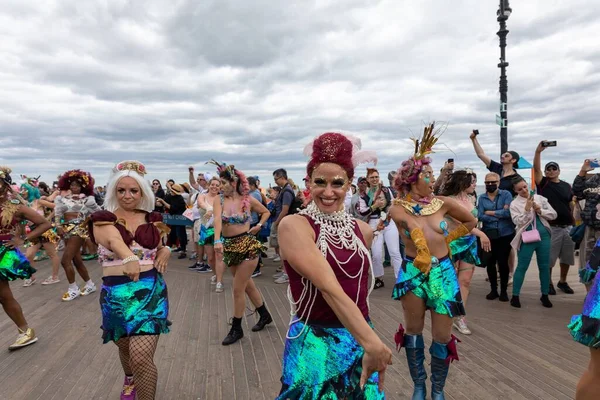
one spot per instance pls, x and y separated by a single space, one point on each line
50 236
239 248
75 227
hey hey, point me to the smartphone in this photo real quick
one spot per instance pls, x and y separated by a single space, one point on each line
475 132
549 143
595 163
450 160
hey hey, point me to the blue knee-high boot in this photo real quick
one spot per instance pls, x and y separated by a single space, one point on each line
441 357
415 355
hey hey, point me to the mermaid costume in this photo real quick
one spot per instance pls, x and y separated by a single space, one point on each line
13 263
585 327
133 308
322 360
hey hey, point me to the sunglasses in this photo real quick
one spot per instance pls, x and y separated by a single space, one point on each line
156 184
490 182
551 169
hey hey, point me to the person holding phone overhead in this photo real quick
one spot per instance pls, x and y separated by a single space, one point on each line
506 168
530 213
587 187
559 195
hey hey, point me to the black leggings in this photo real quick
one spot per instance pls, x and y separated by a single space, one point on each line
182 236
499 253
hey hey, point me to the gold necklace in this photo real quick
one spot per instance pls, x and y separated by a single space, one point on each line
418 209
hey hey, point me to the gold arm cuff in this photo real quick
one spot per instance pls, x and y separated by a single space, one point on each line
423 259
460 231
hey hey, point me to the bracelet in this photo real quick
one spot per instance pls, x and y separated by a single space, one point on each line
130 259
218 241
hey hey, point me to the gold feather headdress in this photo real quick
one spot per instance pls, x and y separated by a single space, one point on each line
424 145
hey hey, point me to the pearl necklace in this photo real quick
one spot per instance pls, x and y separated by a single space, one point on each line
336 231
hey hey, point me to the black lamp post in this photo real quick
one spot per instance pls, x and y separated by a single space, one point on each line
503 13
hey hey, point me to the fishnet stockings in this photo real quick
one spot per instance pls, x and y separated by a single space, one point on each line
137 357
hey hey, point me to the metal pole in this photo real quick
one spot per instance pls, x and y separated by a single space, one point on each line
503 81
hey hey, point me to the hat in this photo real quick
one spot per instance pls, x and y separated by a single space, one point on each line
362 179
552 164
186 187
177 188
516 156
256 177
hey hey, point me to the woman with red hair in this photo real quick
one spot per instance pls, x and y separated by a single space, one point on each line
331 349
239 246
73 206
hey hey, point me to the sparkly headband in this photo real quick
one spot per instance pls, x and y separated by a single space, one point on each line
130 165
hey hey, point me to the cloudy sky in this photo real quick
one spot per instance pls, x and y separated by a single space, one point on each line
176 82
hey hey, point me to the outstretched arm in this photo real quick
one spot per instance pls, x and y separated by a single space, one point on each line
479 151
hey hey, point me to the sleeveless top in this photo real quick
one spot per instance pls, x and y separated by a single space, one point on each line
143 243
321 312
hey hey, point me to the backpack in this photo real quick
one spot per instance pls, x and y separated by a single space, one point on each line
296 203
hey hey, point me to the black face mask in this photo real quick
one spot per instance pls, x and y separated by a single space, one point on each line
491 188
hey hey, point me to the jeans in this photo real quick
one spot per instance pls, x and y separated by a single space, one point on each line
542 251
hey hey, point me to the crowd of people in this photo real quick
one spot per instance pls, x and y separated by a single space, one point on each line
331 241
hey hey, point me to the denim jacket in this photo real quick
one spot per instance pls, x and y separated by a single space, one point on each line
501 205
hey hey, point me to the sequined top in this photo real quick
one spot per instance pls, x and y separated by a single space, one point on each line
8 220
143 243
321 311
82 204
234 219
108 259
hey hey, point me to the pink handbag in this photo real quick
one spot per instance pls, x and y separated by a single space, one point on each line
533 235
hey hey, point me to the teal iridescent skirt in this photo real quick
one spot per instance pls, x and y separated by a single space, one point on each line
585 328
324 363
465 249
439 289
134 308
14 265
588 273
207 236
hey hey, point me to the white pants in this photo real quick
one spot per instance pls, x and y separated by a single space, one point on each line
389 235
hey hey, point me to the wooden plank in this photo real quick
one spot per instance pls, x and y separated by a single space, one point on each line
516 354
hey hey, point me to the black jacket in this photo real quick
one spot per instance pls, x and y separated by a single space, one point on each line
588 189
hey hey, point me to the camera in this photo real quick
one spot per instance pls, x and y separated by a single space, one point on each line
549 143
475 132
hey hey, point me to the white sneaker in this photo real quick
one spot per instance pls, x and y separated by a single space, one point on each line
277 259
213 280
71 295
278 274
88 289
219 287
461 325
29 282
282 279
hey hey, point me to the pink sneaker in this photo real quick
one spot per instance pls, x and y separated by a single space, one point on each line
128 392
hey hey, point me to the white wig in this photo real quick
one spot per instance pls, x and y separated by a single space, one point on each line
111 203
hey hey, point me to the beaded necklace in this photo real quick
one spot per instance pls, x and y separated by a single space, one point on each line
336 231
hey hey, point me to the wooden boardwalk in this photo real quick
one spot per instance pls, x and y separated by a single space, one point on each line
512 354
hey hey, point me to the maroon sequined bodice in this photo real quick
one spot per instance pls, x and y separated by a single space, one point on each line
321 312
